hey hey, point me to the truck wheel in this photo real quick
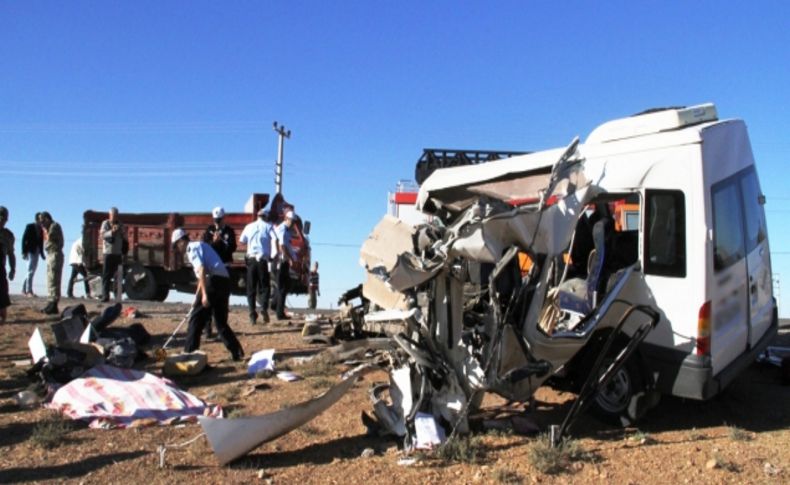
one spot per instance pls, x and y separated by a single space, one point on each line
161 293
140 283
625 399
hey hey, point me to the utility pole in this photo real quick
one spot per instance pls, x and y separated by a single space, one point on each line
278 170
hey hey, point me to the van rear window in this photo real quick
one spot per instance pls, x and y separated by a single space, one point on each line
665 233
756 230
728 228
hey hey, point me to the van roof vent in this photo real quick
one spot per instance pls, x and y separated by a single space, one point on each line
652 121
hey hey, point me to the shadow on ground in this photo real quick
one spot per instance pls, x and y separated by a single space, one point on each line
67 470
755 401
319 453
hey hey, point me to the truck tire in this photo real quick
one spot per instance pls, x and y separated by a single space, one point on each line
161 293
139 283
626 398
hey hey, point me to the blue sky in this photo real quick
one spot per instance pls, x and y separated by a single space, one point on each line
167 106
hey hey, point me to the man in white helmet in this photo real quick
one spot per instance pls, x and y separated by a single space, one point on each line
222 239
212 295
286 255
258 235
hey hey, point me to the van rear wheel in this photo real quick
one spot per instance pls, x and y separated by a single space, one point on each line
625 398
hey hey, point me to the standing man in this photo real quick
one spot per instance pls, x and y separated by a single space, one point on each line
32 248
312 288
53 244
212 295
6 252
77 268
257 235
222 239
113 237
286 256
221 236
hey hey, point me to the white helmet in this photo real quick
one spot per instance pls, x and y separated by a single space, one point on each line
178 233
218 212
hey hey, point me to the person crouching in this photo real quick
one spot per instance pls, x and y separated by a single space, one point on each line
212 295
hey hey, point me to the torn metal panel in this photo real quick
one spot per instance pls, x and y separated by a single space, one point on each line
233 438
389 254
383 295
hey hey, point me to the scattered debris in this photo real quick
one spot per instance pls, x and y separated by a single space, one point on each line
287 376
186 364
231 439
131 312
27 399
263 360
367 453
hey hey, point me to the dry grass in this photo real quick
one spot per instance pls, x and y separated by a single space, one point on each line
318 367
51 432
507 476
554 460
462 449
738 434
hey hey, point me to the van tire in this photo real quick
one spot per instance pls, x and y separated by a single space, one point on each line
626 398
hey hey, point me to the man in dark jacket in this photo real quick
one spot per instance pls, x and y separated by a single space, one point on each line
222 239
32 249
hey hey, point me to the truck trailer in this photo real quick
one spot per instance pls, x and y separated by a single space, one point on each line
152 268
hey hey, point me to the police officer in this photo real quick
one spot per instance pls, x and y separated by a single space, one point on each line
221 236
257 235
286 257
212 295
222 239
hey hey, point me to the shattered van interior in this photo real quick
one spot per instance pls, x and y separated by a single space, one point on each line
517 274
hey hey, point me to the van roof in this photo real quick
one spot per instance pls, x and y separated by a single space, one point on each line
689 126
651 122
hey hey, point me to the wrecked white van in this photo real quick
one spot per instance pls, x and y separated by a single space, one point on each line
632 264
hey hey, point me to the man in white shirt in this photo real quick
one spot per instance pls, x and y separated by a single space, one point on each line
257 235
77 268
212 295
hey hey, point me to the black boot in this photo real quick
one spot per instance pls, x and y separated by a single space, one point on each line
51 308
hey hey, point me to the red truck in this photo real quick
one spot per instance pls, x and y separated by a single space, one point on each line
152 268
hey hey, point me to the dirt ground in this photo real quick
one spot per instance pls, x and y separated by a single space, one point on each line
740 436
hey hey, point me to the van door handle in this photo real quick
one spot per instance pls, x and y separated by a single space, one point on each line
753 288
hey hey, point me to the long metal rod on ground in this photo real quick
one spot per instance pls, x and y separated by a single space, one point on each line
162 353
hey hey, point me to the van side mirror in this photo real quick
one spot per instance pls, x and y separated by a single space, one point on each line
307 227
761 199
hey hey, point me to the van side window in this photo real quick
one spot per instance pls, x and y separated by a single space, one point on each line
727 224
665 233
755 216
